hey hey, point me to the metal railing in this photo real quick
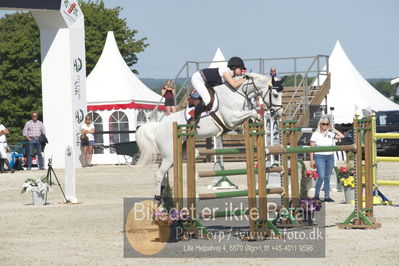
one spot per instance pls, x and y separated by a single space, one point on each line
299 67
304 103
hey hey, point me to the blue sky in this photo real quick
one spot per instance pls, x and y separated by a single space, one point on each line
182 30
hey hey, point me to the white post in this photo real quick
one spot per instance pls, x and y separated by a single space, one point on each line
70 192
63 78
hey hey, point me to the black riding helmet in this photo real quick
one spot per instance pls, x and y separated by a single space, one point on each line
235 62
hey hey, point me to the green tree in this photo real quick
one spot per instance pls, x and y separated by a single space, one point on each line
98 21
385 88
289 81
20 86
20 76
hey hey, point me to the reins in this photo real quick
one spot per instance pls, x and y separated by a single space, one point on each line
271 104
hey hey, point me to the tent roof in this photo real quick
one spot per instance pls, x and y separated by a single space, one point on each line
112 81
394 81
218 57
349 91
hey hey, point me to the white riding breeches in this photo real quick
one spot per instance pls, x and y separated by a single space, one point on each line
199 85
3 151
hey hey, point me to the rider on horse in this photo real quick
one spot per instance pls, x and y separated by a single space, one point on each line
211 77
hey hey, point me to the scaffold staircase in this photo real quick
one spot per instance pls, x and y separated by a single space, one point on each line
298 99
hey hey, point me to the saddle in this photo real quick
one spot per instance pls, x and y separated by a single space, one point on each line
210 108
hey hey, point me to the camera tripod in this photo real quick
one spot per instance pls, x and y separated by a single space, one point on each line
50 171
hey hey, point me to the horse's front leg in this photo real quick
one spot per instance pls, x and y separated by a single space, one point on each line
239 117
166 164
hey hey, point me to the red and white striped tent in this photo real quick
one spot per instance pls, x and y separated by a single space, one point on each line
117 101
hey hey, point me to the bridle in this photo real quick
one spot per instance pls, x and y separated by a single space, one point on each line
250 94
245 93
268 93
273 110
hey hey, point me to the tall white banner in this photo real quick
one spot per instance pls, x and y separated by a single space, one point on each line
78 82
63 78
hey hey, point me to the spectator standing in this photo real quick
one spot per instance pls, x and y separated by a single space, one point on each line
169 93
32 131
325 135
3 147
87 145
275 81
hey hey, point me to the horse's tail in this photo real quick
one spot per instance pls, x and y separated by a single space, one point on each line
145 138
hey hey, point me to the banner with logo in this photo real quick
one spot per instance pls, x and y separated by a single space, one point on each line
78 85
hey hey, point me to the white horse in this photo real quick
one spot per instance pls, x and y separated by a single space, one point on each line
234 109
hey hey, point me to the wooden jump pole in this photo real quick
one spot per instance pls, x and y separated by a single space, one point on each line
261 159
221 151
387 159
362 217
191 185
368 139
294 167
233 194
378 196
254 134
187 132
255 140
251 183
177 167
281 149
284 160
387 182
276 169
386 135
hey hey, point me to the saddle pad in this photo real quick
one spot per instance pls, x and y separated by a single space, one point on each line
189 111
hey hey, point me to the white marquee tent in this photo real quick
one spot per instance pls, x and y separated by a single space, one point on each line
218 60
350 93
118 101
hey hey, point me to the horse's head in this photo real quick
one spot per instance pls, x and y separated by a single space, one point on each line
260 84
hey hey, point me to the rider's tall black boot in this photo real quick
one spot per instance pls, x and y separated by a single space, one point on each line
198 111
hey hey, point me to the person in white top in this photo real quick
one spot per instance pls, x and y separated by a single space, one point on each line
3 147
325 135
88 143
211 77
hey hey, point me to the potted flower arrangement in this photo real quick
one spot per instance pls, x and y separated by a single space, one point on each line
311 178
39 189
347 180
169 223
309 207
168 218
